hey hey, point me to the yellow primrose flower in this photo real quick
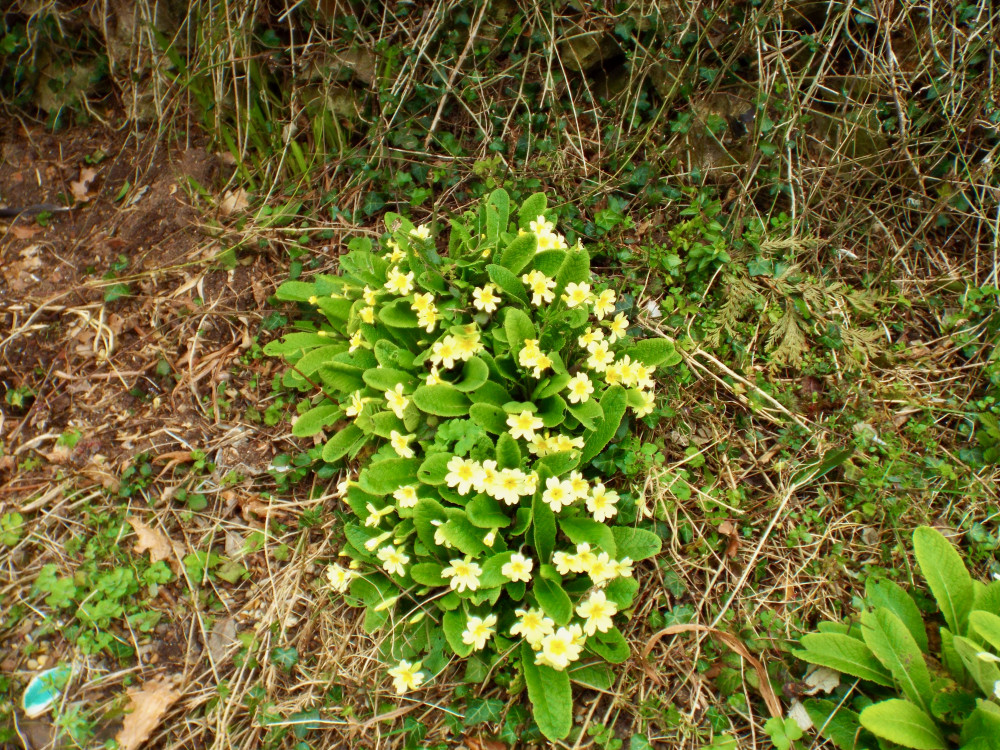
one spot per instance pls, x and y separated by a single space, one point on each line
542 363
468 345
541 287
428 318
626 370
357 340
541 225
478 630
519 568
406 496
393 560
558 494
623 567
619 327
487 481
597 612
604 304
647 405
613 374
579 486
367 314
529 483
357 404
444 352
485 298
551 241
561 443
406 676
601 503
643 375
398 282
523 425
338 577
463 574
313 299
509 486
559 649
375 541
602 569
434 378
422 232
590 337
580 388
564 562
576 294
529 354
532 625
600 357
397 400
422 301
369 295
375 516
584 558
401 444
463 474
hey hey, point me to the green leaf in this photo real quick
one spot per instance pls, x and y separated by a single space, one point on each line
613 404
589 413
844 654
340 443
579 530
460 532
551 411
533 207
553 385
890 641
519 253
425 513
558 464
544 524
836 723
314 420
654 352
553 600
454 623
295 343
492 576
490 392
486 513
550 261
638 544
385 379
985 673
901 722
889 595
610 646
434 468
384 422
946 576
508 452
987 626
387 476
622 591
813 471
399 314
597 676
428 574
518 327
491 418
295 291
441 400
508 283
575 269
550 695
497 213
474 374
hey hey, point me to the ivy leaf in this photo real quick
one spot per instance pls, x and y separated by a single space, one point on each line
286 658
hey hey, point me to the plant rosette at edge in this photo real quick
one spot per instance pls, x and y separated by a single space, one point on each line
473 389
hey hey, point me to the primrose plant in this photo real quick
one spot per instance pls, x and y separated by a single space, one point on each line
472 389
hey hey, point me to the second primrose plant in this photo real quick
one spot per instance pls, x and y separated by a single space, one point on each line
472 390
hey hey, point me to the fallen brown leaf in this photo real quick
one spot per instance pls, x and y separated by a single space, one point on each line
149 705
156 543
81 187
233 202
24 233
766 691
728 528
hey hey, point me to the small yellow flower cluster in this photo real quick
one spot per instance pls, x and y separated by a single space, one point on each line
427 312
456 348
398 282
600 567
532 358
406 676
505 485
541 287
485 298
547 444
545 233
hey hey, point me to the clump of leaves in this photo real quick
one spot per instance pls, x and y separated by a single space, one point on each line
918 691
474 388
